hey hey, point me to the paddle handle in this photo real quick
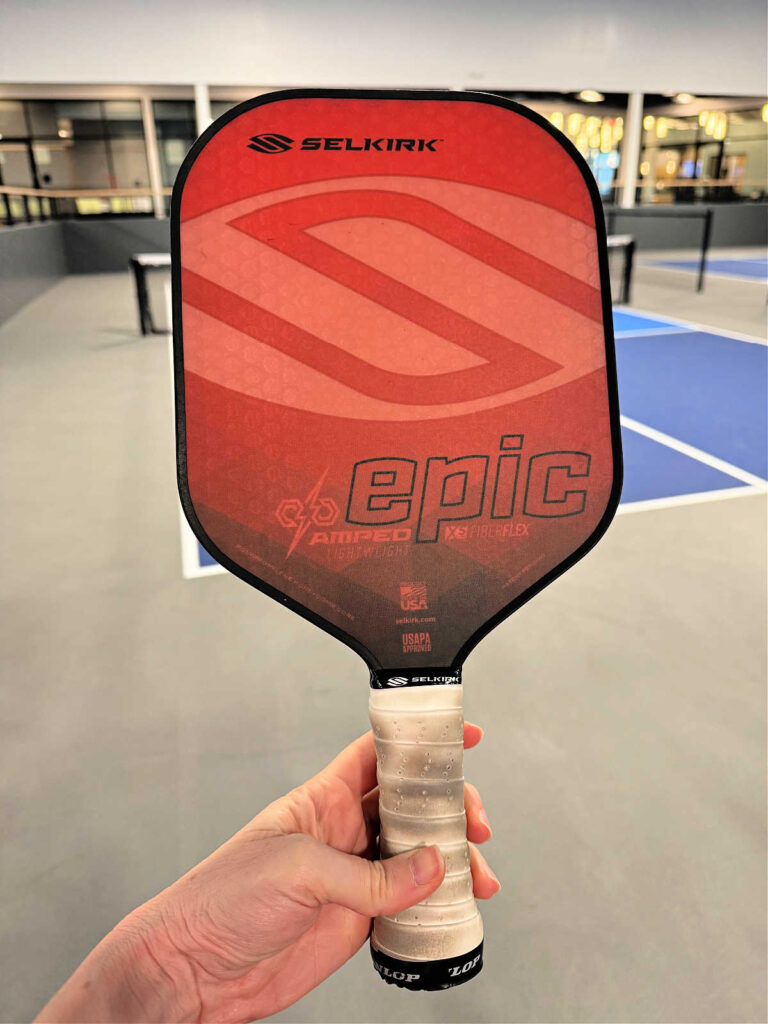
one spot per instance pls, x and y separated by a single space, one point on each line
419 737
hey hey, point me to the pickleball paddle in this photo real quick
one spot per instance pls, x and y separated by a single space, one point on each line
396 410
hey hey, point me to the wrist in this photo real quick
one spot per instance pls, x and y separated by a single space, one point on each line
134 974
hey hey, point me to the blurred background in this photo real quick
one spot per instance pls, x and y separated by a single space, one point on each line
623 767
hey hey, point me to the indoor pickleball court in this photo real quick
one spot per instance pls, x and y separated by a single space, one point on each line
154 702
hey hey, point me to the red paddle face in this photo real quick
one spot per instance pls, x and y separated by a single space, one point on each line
394 366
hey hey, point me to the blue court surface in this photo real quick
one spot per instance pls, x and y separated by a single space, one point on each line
694 417
750 268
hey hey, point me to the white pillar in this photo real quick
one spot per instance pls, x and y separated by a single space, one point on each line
153 157
202 107
630 151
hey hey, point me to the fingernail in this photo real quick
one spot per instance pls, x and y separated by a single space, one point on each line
425 864
495 879
484 820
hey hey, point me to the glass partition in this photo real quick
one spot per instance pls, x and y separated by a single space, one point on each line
704 149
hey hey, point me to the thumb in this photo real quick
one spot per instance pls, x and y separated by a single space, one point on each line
375 887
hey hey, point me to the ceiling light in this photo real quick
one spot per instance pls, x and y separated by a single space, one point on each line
591 96
684 97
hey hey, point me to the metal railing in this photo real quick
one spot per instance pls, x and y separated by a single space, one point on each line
31 205
704 214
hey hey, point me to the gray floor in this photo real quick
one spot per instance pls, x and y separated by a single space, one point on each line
624 711
724 302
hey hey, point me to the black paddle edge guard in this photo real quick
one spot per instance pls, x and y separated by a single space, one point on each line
430 975
178 356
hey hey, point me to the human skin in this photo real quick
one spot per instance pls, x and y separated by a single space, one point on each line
271 913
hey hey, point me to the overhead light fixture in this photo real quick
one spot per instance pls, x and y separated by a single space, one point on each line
684 97
648 122
765 111
591 96
557 120
703 117
661 128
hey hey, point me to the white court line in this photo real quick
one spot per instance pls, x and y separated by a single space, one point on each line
190 561
650 504
190 567
638 332
695 453
190 553
708 273
691 325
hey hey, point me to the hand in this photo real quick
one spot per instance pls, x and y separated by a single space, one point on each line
277 908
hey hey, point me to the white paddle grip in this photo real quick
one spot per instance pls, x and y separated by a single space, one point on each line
419 737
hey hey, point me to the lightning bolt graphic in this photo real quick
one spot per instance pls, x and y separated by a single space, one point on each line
304 521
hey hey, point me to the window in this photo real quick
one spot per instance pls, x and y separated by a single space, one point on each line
74 144
707 149
595 128
176 131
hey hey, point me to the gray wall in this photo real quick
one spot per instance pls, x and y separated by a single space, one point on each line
741 225
734 224
99 246
32 258
35 256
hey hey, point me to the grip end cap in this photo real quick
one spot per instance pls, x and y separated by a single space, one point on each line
428 975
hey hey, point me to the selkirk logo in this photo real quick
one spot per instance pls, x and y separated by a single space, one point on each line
298 515
271 142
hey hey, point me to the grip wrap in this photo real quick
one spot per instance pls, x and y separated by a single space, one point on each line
419 737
